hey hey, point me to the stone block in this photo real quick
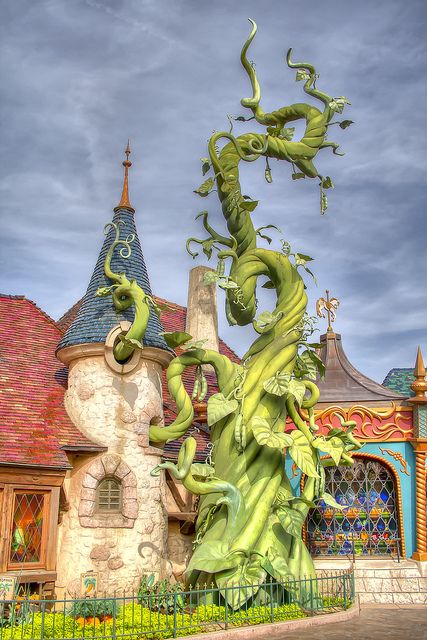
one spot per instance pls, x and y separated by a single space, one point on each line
130 508
111 463
383 598
382 573
100 552
130 480
122 471
130 493
85 391
402 598
89 482
115 563
409 585
418 598
88 494
96 469
374 585
422 584
86 507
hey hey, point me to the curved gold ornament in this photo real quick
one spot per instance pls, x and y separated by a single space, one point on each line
371 424
397 456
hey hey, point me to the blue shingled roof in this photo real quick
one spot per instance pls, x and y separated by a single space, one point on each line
400 380
97 315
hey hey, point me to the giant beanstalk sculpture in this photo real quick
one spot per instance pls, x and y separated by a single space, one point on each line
249 524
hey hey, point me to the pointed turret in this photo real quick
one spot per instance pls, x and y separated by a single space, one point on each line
97 315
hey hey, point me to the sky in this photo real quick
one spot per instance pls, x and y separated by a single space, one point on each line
80 77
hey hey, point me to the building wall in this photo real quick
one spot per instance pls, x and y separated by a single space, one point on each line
114 410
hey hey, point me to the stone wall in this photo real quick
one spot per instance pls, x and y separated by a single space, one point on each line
392 583
115 411
384 580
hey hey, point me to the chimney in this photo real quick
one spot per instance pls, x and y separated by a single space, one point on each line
202 316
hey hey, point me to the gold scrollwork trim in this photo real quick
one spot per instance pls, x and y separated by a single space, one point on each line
367 430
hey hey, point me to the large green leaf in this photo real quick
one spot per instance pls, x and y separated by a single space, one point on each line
301 259
330 500
219 407
206 165
211 556
307 365
318 362
265 436
276 566
249 573
249 205
205 188
297 389
327 183
334 447
175 338
278 385
291 520
302 454
338 104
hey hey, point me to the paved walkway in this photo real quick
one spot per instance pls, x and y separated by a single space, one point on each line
374 623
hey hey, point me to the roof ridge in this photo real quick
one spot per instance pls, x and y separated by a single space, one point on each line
34 304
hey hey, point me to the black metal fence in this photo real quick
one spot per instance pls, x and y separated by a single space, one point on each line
175 613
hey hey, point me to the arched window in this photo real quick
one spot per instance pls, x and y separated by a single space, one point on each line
109 496
369 524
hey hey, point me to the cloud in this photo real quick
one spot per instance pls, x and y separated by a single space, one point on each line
82 77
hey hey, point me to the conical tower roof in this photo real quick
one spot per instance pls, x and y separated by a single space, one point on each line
97 315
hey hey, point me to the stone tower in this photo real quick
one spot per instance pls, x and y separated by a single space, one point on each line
116 524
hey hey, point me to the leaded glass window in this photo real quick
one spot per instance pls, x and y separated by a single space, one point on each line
369 524
109 496
27 528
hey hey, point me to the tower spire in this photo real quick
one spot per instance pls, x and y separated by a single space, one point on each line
124 200
419 385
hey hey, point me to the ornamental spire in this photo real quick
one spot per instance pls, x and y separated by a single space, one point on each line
419 385
124 200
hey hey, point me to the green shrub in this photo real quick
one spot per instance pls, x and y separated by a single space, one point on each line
91 608
161 594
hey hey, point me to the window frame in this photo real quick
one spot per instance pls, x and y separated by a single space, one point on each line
119 509
42 563
30 481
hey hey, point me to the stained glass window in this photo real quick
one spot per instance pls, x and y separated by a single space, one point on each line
109 495
369 523
27 528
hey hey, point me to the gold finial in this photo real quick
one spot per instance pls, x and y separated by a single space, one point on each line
124 200
330 305
419 385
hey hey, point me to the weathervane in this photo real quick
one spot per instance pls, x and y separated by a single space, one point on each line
330 305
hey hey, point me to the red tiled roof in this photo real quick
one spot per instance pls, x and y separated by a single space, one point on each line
34 425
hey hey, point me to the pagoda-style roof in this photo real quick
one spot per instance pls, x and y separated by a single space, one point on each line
344 384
